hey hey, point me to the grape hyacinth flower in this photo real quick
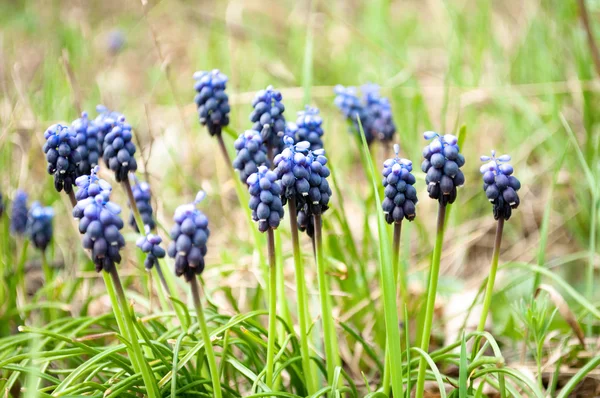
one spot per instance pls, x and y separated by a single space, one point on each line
265 200
251 154
141 194
150 244
19 213
348 102
91 185
400 193
442 165
293 171
211 100
189 236
308 128
100 225
267 116
39 225
86 133
119 150
105 122
499 185
380 111
62 156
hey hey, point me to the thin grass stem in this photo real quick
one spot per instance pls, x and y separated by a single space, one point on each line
431 293
589 279
210 354
272 308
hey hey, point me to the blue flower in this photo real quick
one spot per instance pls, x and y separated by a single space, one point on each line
189 236
265 200
309 128
142 196
211 100
379 109
39 225
62 156
105 122
354 110
119 149
499 185
267 116
292 167
251 154
18 219
442 164
150 244
91 185
100 225
400 194
86 133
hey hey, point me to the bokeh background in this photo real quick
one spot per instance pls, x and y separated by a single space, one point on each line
514 73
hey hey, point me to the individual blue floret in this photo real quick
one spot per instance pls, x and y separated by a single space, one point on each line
251 154
86 133
150 244
189 236
442 165
119 150
62 156
400 193
265 200
211 100
499 185
39 225
267 116
382 124
19 212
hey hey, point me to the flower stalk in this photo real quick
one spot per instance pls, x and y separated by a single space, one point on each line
272 307
489 289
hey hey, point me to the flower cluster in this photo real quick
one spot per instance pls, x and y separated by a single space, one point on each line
141 195
39 225
150 244
348 102
308 128
86 134
62 156
267 116
189 234
105 122
118 150
382 125
265 200
400 193
442 164
211 100
293 171
251 154
500 185
91 185
319 192
19 213
100 225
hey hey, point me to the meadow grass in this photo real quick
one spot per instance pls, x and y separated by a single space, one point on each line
518 75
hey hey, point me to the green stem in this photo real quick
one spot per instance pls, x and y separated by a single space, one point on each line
272 308
400 275
136 350
48 279
210 354
589 280
431 293
489 289
332 358
309 375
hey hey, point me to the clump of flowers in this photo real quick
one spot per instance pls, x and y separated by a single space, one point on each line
189 234
400 193
119 150
442 164
19 213
86 134
251 154
293 171
267 116
150 244
141 195
211 100
39 225
62 156
353 109
382 126
105 121
308 128
265 200
499 185
100 224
